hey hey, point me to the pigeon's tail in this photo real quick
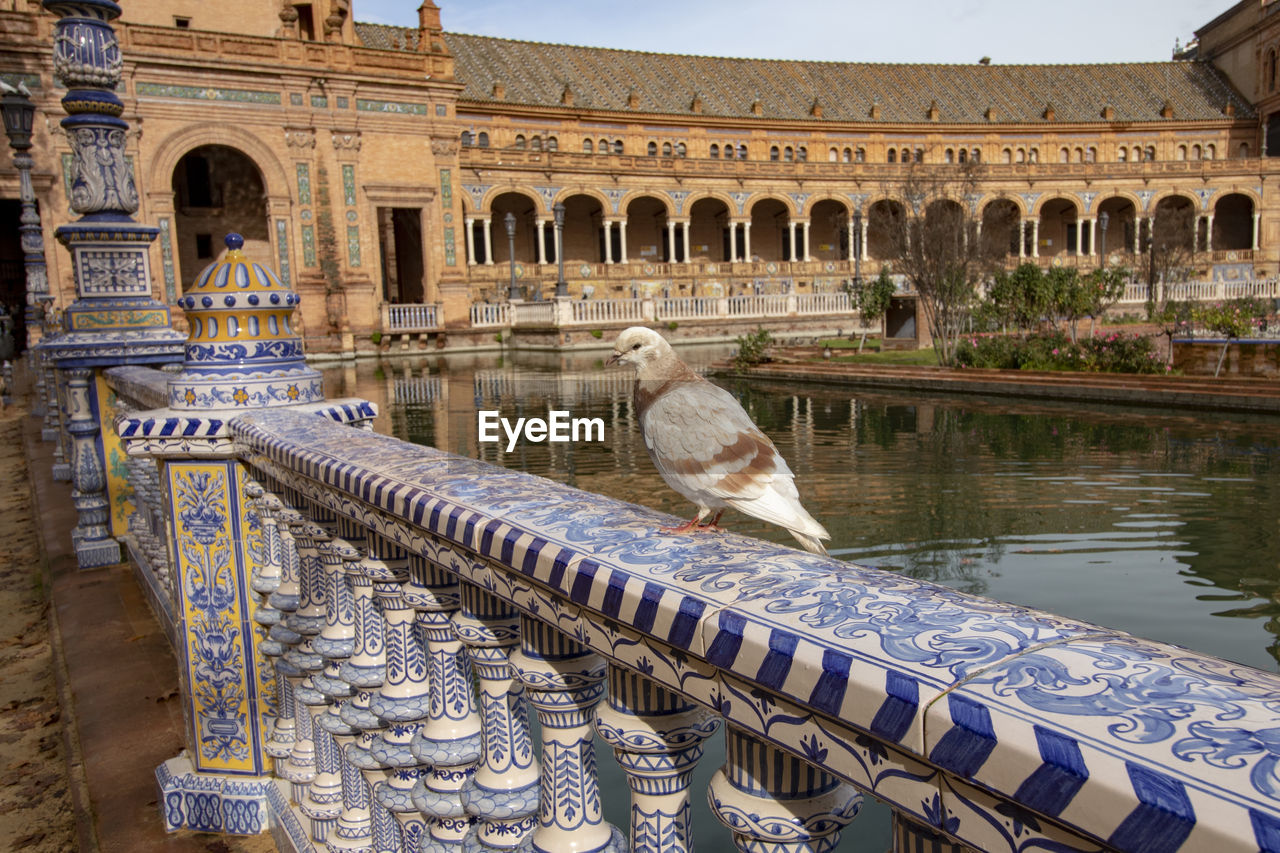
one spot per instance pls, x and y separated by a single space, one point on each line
810 543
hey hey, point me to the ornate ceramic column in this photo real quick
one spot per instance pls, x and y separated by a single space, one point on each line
19 113
657 738
565 682
242 355
773 801
502 796
113 319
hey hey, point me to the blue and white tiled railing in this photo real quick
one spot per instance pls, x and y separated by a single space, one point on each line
418 606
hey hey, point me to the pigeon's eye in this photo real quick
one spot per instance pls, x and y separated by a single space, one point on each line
636 346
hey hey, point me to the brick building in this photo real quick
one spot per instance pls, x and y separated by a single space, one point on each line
376 165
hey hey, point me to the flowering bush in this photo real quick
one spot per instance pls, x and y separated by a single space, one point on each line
1111 353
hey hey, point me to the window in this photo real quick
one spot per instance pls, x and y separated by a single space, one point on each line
1064 156
617 146
846 156
204 246
603 147
1122 155
1022 155
715 151
1033 156
536 143
587 147
681 149
520 140
653 149
1210 151
1079 155
1006 156
1195 152
833 156
742 151
1137 154
802 154
773 152
666 149
1181 153
182 24
553 144
482 139
964 156
466 139
893 156
1091 154
1149 154
860 156
306 21
976 155
788 154
949 156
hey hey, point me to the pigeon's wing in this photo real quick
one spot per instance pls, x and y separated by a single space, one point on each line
700 437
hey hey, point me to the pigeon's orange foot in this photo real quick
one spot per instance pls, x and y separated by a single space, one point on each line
687 527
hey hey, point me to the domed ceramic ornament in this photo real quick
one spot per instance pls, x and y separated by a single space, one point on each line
242 351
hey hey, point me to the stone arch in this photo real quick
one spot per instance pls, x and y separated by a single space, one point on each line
1233 221
645 216
178 144
606 204
1001 218
632 195
711 221
493 193
816 199
700 195
757 197
771 219
1166 194
1058 217
991 197
1037 209
829 220
524 206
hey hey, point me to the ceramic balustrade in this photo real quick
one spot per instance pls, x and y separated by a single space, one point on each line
980 723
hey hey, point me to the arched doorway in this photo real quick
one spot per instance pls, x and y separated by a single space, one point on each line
1233 223
1120 233
526 236
886 230
829 231
218 189
1001 228
1174 225
583 229
770 235
1058 234
646 226
709 230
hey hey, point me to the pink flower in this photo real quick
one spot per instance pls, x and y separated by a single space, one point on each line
1055 350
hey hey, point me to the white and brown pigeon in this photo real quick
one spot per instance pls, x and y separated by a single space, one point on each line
705 446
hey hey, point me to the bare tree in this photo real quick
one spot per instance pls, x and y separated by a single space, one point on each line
1167 253
936 240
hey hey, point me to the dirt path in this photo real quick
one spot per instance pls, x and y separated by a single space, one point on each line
35 805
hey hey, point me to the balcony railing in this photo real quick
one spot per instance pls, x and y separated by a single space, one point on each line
412 605
411 318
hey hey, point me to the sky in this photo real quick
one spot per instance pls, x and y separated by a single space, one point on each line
963 31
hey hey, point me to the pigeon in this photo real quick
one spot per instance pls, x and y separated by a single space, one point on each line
705 445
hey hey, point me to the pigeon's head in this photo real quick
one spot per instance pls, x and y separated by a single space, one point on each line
638 347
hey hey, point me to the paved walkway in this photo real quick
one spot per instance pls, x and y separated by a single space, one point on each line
118 685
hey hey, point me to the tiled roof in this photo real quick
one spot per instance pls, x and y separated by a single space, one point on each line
384 37
537 74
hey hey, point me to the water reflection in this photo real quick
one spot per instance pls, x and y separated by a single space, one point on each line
1157 523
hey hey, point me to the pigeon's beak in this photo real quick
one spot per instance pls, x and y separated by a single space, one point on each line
613 359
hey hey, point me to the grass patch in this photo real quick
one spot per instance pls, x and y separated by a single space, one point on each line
873 344
925 357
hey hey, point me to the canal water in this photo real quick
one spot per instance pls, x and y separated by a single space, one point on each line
1162 523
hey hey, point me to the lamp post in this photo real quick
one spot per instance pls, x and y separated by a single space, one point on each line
1103 219
510 221
562 286
19 114
857 248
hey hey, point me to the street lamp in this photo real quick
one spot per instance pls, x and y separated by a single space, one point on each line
562 286
1103 219
857 248
510 221
19 115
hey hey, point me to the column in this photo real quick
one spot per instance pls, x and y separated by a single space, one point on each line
1035 238
1022 238
746 241
866 221
487 224
608 241
733 241
1257 217
471 239
794 807
671 241
791 237
684 238
622 241
804 231
1208 233
1137 234
853 247
542 241
92 537
657 738
564 682
1079 237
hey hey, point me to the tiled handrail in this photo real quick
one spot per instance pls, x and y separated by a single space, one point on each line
1003 727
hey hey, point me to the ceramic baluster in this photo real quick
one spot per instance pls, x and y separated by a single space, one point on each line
502 796
564 682
773 801
281 638
402 702
657 737
449 742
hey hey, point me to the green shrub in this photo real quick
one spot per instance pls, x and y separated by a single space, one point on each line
597 334
1111 353
752 349
672 326
376 337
